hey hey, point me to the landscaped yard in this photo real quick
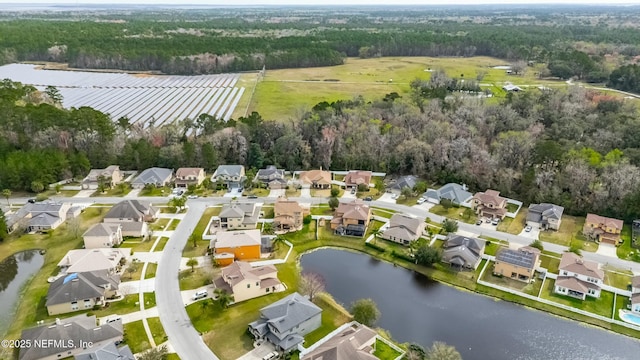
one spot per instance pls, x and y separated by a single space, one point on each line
602 306
199 277
550 263
513 226
325 193
151 270
161 244
570 233
159 224
130 275
157 331
124 306
621 303
527 288
136 337
373 193
259 192
384 351
173 224
409 201
459 213
137 244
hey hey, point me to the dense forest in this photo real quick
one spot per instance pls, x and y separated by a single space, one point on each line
574 147
574 42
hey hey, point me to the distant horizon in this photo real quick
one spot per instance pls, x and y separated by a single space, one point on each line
245 3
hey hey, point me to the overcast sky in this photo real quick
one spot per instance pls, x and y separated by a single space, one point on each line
325 2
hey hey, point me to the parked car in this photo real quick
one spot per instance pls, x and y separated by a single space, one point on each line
200 295
368 198
31 201
252 197
487 220
394 196
192 197
113 318
527 228
479 222
353 191
270 356
495 222
421 201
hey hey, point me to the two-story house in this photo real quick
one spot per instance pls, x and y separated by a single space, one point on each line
189 176
88 260
103 235
317 179
109 177
404 229
602 229
545 216
236 245
236 216
271 177
578 278
517 264
357 177
81 291
245 282
635 294
132 215
285 322
351 218
490 204
231 176
288 215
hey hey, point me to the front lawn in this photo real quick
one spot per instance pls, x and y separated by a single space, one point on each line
130 275
161 244
151 270
155 191
113 192
513 226
157 331
259 192
199 277
173 225
137 244
602 306
325 193
202 245
125 306
159 224
149 300
617 279
409 201
458 213
136 337
373 193
384 351
570 227
322 209
550 263
292 192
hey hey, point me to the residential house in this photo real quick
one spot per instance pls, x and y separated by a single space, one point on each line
87 260
351 218
132 215
109 177
578 278
408 181
236 216
635 294
517 264
189 176
457 193
404 229
154 176
602 229
285 322
317 179
271 177
490 204
41 216
68 337
81 291
288 215
463 252
232 176
357 177
511 88
236 245
545 216
103 235
356 342
106 351
246 282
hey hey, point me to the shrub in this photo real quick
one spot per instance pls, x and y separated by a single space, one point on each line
307 220
374 246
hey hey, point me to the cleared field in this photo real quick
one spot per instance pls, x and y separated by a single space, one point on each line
145 99
285 93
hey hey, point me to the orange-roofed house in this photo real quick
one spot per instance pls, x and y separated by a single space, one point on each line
357 177
602 229
318 179
236 245
351 218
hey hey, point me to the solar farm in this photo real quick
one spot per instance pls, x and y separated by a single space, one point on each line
144 99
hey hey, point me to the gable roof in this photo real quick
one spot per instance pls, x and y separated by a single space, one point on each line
107 351
358 177
462 250
455 192
84 260
106 172
188 171
250 212
316 177
43 219
154 175
238 238
229 170
80 286
130 209
573 283
539 211
348 344
79 328
269 171
573 263
405 181
525 256
289 312
489 197
286 206
405 227
102 229
240 270
608 222
356 209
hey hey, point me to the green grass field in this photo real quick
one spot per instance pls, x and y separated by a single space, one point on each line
136 337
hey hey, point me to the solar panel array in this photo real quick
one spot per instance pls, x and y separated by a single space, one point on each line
516 257
144 99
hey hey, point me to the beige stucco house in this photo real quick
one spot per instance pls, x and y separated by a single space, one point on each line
103 235
288 215
110 177
517 264
246 282
189 176
351 218
81 291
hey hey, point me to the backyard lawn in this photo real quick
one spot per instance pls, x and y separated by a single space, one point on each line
137 244
459 213
550 263
384 351
199 277
602 306
531 288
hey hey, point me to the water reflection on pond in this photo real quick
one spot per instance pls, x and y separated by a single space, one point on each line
15 271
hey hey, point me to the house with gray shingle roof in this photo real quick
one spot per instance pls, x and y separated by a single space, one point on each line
457 193
404 229
285 322
153 176
66 337
408 181
81 291
237 216
545 216
103 235
463 252
132 215
107 351
271 177
232 176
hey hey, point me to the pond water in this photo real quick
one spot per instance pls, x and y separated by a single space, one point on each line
15 271
416 309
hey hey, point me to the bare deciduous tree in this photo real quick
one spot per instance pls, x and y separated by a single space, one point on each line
312 284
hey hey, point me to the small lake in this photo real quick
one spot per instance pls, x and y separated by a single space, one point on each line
15 271
416 309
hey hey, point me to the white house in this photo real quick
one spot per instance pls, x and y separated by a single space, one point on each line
578 277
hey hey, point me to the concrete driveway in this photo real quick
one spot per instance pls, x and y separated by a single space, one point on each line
84 193
133 193
305 192
424 206
276 193
607 250
136 286
533 234
386 197
187 295
348 195
259 352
